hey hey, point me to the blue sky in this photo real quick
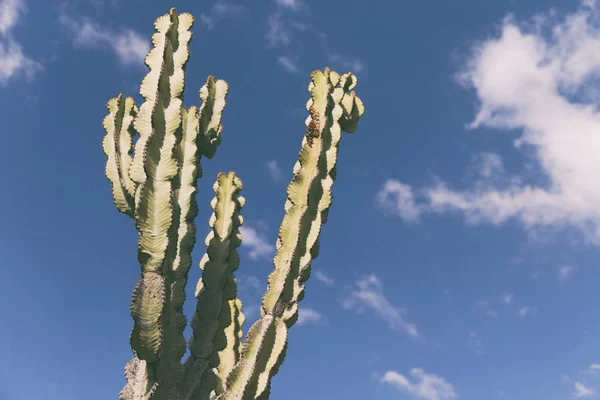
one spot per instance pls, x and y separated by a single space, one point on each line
460 256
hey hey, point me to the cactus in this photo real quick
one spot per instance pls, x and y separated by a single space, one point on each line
156 186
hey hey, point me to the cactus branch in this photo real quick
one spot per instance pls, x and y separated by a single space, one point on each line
216 289
118 146
309 199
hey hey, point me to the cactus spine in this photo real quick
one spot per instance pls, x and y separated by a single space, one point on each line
156 185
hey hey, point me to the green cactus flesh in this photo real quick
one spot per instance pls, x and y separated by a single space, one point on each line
156 186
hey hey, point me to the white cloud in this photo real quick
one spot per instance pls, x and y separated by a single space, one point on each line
221 10
594 368
288 64
259 247
293 5
565 271
283 28
423 387
278 32
274 170
508 298
129 46
353 65
524 311
580 391
12 59
397 198
369 293
308 316
321 276
489 164
543 88
9 14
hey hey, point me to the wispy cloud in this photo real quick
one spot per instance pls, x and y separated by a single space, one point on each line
322 277
508 298
524 311
308 316
505 300
285 24
279 30
423 386
565 271
9 14
274 170
288 64
294 5
580 391
543 88
398 199
258 244
13 61
221 10
368 293
594 369
129 46
346 63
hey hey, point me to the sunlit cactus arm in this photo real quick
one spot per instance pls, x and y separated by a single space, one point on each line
118 147
135 375
309 194
213 95
346 109
155 337
229 340
201 129
214 290
263 351
309 198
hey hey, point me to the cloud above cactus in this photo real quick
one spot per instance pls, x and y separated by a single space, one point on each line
129 46
543 87
221 10
285 28
422 386
288 64
258 244
368 294
13 61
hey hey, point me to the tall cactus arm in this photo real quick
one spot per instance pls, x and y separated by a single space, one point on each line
199 128
214 290
309 198
154 338
309 194
118 147
213 95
